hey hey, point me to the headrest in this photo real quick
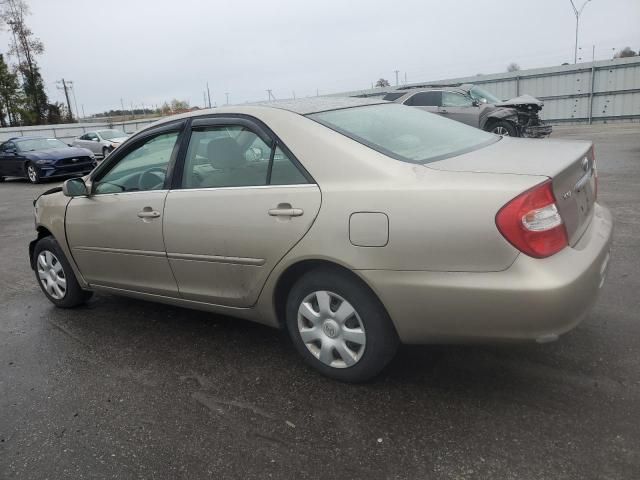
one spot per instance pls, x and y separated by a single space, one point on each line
224 153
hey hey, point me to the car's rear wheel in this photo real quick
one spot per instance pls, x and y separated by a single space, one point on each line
504 128
33 175
339 326
55 276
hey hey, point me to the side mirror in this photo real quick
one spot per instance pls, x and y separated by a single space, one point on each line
10 151
75 187
96 139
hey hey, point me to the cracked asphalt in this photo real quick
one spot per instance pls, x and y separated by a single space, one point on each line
128 389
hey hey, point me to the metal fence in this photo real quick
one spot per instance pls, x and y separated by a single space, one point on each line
594 92
68 131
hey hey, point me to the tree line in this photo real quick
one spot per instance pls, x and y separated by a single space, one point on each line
23 99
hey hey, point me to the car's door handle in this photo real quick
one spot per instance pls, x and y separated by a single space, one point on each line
443 111
148 213
285 210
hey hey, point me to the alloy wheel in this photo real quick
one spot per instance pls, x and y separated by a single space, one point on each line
501 131
331 329
32 174
51 275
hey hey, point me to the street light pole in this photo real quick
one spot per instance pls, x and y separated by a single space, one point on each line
577 13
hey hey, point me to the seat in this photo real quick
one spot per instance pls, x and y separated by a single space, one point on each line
231 168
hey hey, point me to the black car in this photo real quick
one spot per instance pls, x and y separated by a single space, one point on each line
37 158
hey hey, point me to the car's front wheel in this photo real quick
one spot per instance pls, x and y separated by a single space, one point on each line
504 128
339 326
55 276
33 175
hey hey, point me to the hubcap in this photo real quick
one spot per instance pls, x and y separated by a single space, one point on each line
501 131
331 329
32 173
51 275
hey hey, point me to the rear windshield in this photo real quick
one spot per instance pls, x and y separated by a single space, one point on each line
393 96
405 133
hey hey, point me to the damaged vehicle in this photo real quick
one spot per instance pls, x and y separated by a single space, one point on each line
470 104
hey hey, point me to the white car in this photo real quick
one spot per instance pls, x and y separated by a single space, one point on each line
101 142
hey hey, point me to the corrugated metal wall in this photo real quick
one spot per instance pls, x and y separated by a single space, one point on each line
602 91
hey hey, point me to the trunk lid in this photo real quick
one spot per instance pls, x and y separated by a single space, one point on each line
569 164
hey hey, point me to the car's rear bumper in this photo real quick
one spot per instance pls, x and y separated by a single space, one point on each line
534 299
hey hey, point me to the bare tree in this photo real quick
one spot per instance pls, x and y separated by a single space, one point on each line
625 52
513 67
382 83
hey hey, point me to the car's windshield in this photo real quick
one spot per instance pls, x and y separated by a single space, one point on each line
405 133
478 93
109 134
38 144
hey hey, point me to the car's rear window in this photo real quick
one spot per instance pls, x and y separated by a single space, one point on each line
405 133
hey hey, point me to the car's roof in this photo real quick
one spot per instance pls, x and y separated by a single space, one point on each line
13 139
302 106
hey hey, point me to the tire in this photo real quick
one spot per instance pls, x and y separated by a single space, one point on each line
33 175
372 340
52 267
504 128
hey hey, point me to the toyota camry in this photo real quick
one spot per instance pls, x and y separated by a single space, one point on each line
354 224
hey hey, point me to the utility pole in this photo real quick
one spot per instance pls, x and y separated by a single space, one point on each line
397 72
209 94
123 115
227 94
66 94
75 102
204 99
270 95
83 115
577 13
405 78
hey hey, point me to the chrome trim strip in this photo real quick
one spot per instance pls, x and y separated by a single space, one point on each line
121 251
216 259
250 187
126 193
583 181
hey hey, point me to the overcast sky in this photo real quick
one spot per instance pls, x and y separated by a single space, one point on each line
148 51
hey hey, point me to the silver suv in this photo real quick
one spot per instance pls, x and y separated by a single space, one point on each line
470 104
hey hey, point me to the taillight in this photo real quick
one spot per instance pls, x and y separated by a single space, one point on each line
595 174
531 222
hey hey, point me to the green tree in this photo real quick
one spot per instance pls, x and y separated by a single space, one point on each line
25 46
11 97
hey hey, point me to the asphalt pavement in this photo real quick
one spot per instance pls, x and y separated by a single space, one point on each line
128 389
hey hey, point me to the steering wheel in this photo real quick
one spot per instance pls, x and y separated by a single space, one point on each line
152 179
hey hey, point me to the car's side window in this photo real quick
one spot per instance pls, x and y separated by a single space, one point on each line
425 99
451 99
284 171
235 156
141 169
225 156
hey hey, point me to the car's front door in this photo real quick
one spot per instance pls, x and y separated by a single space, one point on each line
242 203
10 161
115 234
460 108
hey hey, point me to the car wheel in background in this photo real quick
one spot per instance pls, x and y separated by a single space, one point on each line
339 326
504 128
33 175
55 276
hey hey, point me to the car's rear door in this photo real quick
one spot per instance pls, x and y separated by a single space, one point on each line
429 101
115 234
242 202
